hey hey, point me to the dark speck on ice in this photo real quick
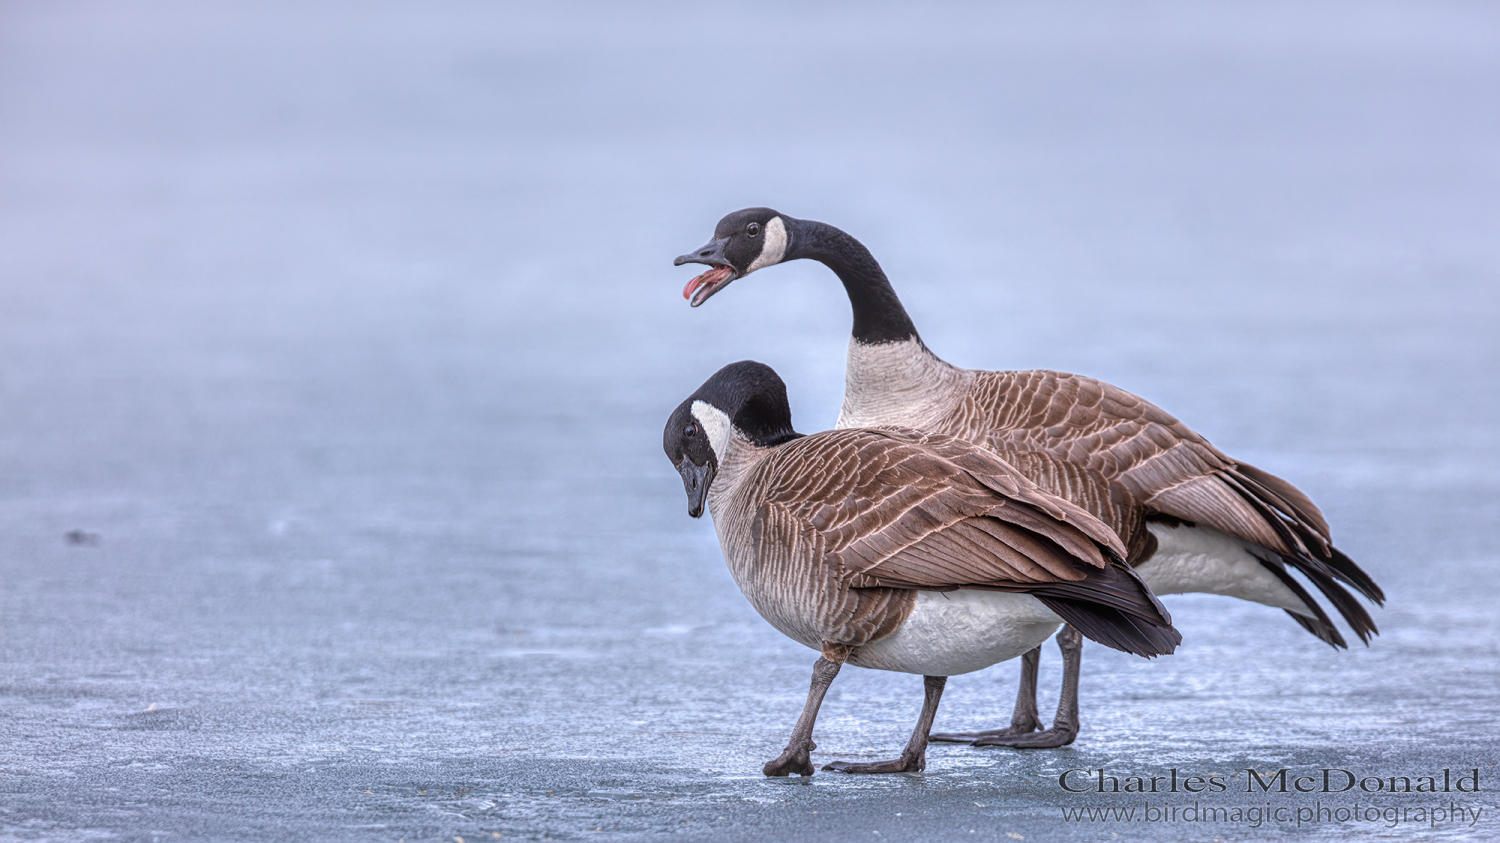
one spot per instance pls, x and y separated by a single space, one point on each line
81 538
354 331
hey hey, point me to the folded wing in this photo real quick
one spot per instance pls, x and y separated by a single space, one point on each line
1173 471
901 509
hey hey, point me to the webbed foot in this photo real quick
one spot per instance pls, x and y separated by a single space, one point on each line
899 765
792 760
971 737
1049 739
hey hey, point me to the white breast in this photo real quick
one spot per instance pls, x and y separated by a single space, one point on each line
955 632
1203 560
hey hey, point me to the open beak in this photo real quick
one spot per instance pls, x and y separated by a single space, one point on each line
695 481
719 275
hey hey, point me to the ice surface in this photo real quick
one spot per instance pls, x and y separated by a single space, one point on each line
343 334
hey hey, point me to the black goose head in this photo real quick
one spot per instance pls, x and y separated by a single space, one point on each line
744 241
747 399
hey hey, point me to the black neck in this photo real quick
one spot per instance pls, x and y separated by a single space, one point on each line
878 314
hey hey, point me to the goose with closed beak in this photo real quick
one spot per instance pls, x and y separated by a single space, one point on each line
895 549
1193 519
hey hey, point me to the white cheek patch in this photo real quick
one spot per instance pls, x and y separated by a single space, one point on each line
773 248
715 423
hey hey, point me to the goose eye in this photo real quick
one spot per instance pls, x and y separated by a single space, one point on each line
690 430
752 229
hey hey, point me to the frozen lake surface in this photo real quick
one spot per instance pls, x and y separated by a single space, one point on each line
340 340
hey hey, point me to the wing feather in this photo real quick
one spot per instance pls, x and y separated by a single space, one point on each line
898 509
1166 468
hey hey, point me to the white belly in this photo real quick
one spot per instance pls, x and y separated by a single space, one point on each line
1203 560
955 632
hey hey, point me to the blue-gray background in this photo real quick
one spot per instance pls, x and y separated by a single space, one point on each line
346 331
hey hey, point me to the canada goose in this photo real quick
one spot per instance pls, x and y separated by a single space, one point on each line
1194 519
895 549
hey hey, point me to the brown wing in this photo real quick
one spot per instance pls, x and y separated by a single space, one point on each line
871 493
901 509
1166 467
1109 502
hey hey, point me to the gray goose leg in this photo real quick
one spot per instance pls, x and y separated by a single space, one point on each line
1024 720
914 758
1065 724
794 759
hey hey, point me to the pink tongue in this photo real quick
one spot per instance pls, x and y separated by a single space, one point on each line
712 276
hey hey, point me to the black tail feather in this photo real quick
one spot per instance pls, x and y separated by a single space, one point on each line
1115 608
1315 558
1355 576
1114 628
1325 631
1354 614
1318 625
